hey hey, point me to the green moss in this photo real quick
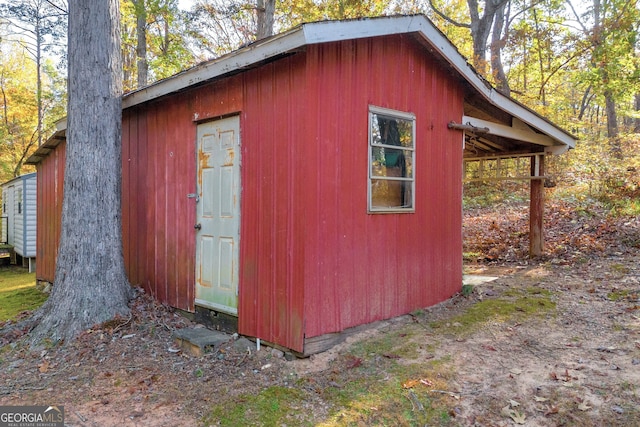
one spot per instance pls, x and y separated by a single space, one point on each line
619 268
618 294
273 406
515 304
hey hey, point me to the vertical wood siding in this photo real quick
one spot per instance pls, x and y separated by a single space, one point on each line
49 212
364 267
159 171
274 146
312 260
30 215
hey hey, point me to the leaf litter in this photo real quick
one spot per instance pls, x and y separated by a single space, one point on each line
552 369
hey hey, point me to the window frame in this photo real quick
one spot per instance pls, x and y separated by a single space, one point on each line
392 114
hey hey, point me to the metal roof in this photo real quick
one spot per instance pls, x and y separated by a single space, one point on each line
297 38
332 31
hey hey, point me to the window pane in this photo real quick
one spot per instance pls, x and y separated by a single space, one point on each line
390 193
397 162
391 163
391 131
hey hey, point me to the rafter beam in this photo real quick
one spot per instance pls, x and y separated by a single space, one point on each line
511 132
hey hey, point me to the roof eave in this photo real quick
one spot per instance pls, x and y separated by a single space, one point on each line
331 31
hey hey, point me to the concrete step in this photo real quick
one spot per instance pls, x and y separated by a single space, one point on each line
196 341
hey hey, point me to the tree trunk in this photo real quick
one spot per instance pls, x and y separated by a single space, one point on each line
497 43
39 79
636 127
265 11
612 124
141 46
90 285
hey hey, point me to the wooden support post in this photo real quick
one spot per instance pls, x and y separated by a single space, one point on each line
536 208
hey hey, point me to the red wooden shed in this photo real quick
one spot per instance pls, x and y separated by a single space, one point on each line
307 183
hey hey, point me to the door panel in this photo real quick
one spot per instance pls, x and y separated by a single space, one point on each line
217 245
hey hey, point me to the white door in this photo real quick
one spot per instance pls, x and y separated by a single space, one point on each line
218 215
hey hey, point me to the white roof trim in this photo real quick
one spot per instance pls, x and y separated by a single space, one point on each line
330 31
509 131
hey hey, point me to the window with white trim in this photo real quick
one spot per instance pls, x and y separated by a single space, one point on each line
391 160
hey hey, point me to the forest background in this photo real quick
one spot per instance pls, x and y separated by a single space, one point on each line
576 62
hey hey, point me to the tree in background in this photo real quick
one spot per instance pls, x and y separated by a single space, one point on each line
37 26
612 69
90 285
19 106
220 26
153 41
488 23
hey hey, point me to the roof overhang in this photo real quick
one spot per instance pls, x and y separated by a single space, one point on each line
50 144
332 31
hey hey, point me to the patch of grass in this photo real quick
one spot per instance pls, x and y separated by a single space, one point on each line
517 304
376 383
471 256
618 294
18 292
619 268
392 396
273 406
382 380
385 343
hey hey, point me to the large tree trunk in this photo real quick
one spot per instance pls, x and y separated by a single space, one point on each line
265 11
90 285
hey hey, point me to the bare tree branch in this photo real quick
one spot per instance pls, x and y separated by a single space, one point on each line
447 18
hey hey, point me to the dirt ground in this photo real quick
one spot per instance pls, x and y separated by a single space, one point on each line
579 364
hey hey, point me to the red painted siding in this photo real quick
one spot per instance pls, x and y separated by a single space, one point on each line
312 260
362 267
158 173
49 211
274 143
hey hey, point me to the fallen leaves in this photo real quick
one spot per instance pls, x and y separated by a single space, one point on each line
584 406
568 232
516 416
353 362
415 382
44 367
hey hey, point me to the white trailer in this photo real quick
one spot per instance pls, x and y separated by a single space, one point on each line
19 209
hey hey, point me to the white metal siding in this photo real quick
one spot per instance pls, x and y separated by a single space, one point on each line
18 218
4 213
19 195
7 201
29 216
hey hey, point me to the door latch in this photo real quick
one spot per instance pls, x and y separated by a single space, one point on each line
193 196
198 226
